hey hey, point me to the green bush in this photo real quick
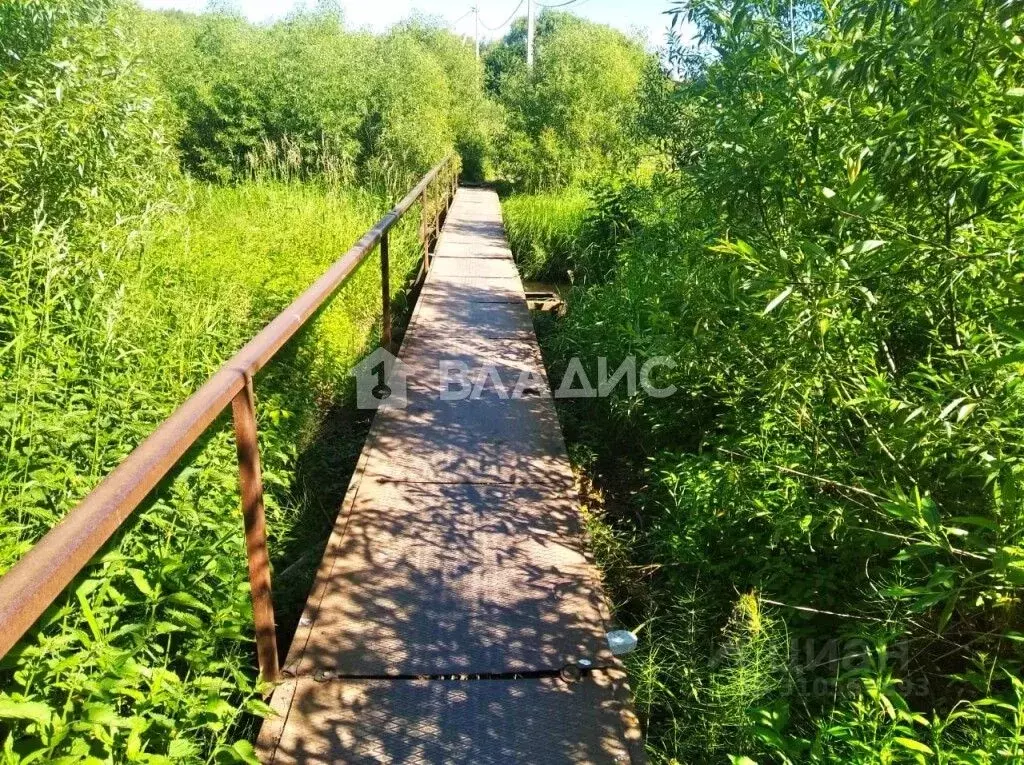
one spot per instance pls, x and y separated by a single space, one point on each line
305 97
122 287
82 163
817 220
568 120
829 257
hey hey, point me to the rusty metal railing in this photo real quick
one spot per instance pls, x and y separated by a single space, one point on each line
36 580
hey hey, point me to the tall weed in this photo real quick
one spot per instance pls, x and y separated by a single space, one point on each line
122 287
828 255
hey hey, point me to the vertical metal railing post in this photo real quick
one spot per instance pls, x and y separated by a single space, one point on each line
438 207
424 233
250 480
385 292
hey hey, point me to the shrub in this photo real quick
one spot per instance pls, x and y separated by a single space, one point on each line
304 97
122 287
83 161
567 120
829 258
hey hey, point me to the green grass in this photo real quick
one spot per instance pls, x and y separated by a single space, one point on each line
796 599
545 231
149 655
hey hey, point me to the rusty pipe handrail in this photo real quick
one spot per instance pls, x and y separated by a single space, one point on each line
35 581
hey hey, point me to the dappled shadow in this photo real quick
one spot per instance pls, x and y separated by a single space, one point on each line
495 422
323 471
480 231
450 313
322 474
483 441
434 579
473 721
455 586
456 290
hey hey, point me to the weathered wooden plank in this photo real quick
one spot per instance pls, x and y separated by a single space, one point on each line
449 314
464 265
458 553
457 578
483 722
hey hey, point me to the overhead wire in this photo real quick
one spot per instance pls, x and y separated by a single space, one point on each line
520 5
465 15
506 21
562 5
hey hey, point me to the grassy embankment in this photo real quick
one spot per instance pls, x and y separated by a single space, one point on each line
125 280
171 590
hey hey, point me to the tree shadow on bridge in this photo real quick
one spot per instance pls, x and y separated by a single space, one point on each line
323 469
473 721
427 587
431 579
455 591
455 588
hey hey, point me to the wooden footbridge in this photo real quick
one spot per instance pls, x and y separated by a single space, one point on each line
455 616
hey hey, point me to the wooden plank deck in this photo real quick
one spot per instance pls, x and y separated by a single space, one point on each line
455 585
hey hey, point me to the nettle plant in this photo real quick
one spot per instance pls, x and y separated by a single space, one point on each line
835 267
866 184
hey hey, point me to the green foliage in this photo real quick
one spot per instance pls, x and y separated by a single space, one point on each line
545 231
749 670
305 97
151 654
566 120
573 234
82 162
122 287
457 100
80 137
830 257
248 97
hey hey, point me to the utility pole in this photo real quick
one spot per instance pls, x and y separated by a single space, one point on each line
530 31
476 29
792 28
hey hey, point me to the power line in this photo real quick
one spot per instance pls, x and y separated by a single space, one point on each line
457 21
506 21
531 30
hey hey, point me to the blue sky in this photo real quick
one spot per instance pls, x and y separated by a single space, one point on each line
647 15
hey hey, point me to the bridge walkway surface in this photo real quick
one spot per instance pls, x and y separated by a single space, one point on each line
455 616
